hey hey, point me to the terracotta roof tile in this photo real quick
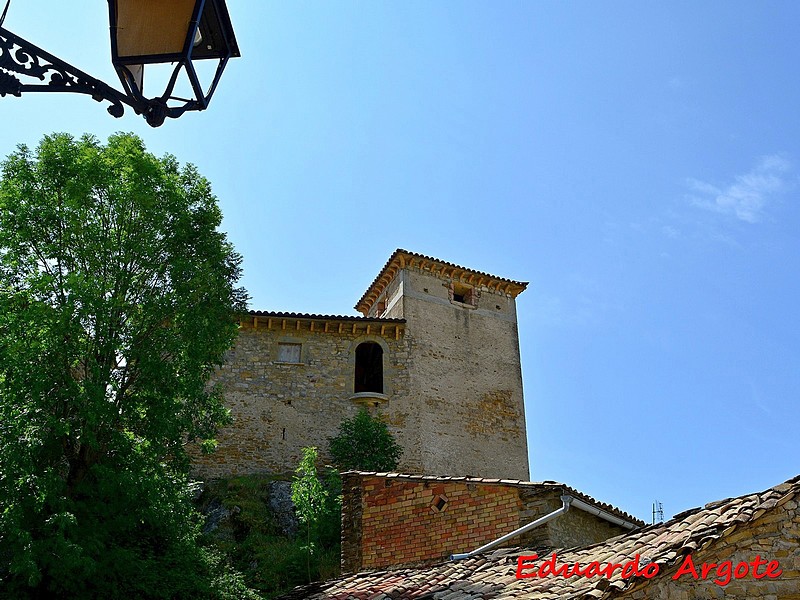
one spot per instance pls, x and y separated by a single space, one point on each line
387 272
293 315
494 575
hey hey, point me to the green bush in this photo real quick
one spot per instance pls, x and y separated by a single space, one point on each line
364 443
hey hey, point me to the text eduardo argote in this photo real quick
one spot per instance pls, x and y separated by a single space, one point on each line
722 573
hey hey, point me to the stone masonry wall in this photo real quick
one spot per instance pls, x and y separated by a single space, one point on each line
400 521
278 408
774 536
452 381
464 366
573 528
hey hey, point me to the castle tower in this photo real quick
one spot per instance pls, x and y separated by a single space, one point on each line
463 386
435 354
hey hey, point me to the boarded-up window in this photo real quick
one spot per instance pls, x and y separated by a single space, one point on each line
289 353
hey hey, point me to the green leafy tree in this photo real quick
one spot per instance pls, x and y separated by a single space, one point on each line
310 500
364 443
117 298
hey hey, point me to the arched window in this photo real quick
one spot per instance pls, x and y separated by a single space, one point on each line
369 368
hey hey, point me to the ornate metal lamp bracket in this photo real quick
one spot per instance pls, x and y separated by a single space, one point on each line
20 56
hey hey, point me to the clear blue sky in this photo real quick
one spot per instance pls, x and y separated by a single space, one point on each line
637 162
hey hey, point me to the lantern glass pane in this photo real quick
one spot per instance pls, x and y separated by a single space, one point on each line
152 27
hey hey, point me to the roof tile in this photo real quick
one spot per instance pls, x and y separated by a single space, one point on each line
494 575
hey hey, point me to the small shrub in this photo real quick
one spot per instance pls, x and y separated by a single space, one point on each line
364 443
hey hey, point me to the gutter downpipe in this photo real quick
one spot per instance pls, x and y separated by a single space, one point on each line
566 500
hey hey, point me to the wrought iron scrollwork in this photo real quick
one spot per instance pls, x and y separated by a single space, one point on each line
20 56
9 85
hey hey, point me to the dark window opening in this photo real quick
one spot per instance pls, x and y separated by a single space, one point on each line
463 294
369 368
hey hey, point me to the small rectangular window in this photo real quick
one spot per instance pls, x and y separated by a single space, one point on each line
289 353
463 294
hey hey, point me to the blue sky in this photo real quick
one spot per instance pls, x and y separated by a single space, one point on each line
637 162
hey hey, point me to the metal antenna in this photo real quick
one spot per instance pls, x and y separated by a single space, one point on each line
658 512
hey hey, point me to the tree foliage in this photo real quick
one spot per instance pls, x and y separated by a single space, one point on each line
317 505
364 443
117 296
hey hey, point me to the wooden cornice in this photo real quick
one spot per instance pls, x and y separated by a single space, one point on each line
403 259
280 321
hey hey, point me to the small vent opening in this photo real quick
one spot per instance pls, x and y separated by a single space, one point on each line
439 503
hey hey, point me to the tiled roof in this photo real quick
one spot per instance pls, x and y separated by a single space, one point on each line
292 315
493 575
399 258
533 485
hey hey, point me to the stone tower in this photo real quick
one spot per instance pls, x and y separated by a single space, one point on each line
435 354
464 379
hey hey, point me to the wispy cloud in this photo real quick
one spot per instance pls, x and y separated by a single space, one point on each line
748 195
675 83
670 231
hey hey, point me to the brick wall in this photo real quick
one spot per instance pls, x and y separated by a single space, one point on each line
402 523
396 521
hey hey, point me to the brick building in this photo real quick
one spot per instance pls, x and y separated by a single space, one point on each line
393 519
435 352
749 545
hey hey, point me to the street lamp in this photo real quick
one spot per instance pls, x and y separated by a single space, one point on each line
143 32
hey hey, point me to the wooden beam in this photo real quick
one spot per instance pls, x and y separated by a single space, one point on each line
283 324
368 326
326 326
397 332
312 326
340 328
269 323
297 325
255 322
383 329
